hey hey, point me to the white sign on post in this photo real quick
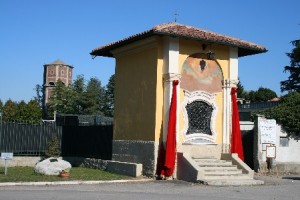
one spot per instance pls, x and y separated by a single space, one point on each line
267 130
6 156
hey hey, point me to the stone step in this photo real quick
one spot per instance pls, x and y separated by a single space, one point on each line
204 157
226 176
232 182
215 164
216 168
223 172
201 160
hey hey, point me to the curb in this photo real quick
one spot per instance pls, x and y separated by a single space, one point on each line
69 182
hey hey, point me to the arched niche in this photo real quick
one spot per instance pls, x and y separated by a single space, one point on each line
201 79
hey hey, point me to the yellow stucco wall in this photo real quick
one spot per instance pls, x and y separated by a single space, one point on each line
159 92
136 95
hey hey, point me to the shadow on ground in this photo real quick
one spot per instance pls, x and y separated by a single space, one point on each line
297 178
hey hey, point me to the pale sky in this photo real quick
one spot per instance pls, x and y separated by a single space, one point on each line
38 32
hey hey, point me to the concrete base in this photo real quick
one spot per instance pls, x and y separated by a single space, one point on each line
201 150
136 151
282 168
125 168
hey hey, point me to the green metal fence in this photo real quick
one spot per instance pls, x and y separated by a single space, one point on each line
27 139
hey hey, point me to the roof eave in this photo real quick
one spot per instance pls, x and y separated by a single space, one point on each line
243 51
106 50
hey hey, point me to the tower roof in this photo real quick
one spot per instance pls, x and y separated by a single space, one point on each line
174 29
58 62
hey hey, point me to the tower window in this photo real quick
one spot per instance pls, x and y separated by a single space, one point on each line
62 72
51 83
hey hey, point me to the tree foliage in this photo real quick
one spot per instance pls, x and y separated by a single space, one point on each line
78 98
30 112
39 94
62 100
287 114
34 108
79 88
53 148
109 104
1 106
260 95
240 90
293 82
93 99
9 110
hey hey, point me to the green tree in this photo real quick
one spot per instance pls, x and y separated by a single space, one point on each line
1 106
109 97
21 113
39 96
9 110
293 82
93 100
53 148
34 110
63 99
79 88
78 98
262 95
240 90
287 114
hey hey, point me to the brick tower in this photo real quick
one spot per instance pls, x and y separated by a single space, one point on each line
53 72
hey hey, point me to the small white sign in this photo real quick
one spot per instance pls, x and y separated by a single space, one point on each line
271 151
7 156
267 130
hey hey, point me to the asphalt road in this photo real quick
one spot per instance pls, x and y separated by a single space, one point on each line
155 190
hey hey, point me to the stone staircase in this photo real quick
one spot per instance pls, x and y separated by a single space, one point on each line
229 170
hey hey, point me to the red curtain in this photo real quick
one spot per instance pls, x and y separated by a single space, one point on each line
236 137
167 157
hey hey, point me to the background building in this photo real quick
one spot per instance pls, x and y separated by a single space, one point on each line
53 72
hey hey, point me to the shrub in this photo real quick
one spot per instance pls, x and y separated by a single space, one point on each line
53 147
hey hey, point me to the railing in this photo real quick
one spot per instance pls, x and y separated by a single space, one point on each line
27 139
257 106
79 136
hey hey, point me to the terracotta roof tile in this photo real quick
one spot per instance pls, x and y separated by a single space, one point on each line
188 32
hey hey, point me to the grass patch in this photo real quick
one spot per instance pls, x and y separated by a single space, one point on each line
27 174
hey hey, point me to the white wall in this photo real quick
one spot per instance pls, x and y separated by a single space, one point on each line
287 154
290 154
